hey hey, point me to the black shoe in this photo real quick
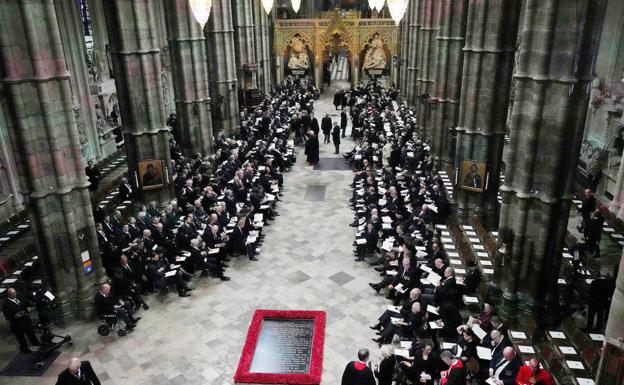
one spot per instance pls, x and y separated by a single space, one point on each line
224 278
376 327
190 288
227 259
375 287
136 319
145 306
184 294
204 273
253 258
130 326
379 268
225 265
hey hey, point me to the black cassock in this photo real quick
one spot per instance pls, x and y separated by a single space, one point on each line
357 373
312 148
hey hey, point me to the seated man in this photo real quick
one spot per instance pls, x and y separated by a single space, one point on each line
106 304
408 326
239 242
158 273
505 370
205 262
533 374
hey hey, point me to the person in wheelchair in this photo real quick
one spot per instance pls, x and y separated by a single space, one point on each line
106 305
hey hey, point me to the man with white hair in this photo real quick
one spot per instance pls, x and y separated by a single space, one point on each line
78 373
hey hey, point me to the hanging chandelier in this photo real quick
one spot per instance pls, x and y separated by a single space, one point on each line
201 11
397 9
296 4
268 6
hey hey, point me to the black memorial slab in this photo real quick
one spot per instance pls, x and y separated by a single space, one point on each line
284 346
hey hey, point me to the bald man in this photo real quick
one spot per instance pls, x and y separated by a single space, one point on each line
504 371
16 313
78 373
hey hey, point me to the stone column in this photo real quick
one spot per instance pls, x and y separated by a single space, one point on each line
245 44
47 151
72 36
488 64
222 64
428 29
403 52
262 35
553 72
447 84
614 332
137 65
414 8
187 49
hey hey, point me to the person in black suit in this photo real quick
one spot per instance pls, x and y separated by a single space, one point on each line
405 276
93 175
371 236
506 368
16 313
238 240
106 304
598 302
498 344
78 373
588 206
336 138
326 126
126 191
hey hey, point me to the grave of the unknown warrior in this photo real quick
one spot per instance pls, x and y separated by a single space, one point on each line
283 346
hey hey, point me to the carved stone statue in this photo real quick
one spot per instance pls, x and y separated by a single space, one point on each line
375 57
298 54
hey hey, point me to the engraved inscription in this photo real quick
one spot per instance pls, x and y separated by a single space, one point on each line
284 346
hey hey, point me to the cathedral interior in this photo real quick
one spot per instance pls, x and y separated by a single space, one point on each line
149 114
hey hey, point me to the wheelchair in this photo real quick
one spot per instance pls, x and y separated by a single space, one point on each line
111 323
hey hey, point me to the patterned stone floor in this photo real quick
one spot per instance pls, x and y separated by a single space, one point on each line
306 263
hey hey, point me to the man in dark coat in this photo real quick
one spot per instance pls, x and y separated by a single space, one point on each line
357 372
326 126
336 138
93 174
337 99
16 313
312 148
587 207
78 373
598 302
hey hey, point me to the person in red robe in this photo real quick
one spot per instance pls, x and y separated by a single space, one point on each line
456 373
533 374
358 372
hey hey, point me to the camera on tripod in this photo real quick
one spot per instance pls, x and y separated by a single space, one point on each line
43 302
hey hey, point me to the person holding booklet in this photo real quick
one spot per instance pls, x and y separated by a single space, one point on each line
407 326
425 367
